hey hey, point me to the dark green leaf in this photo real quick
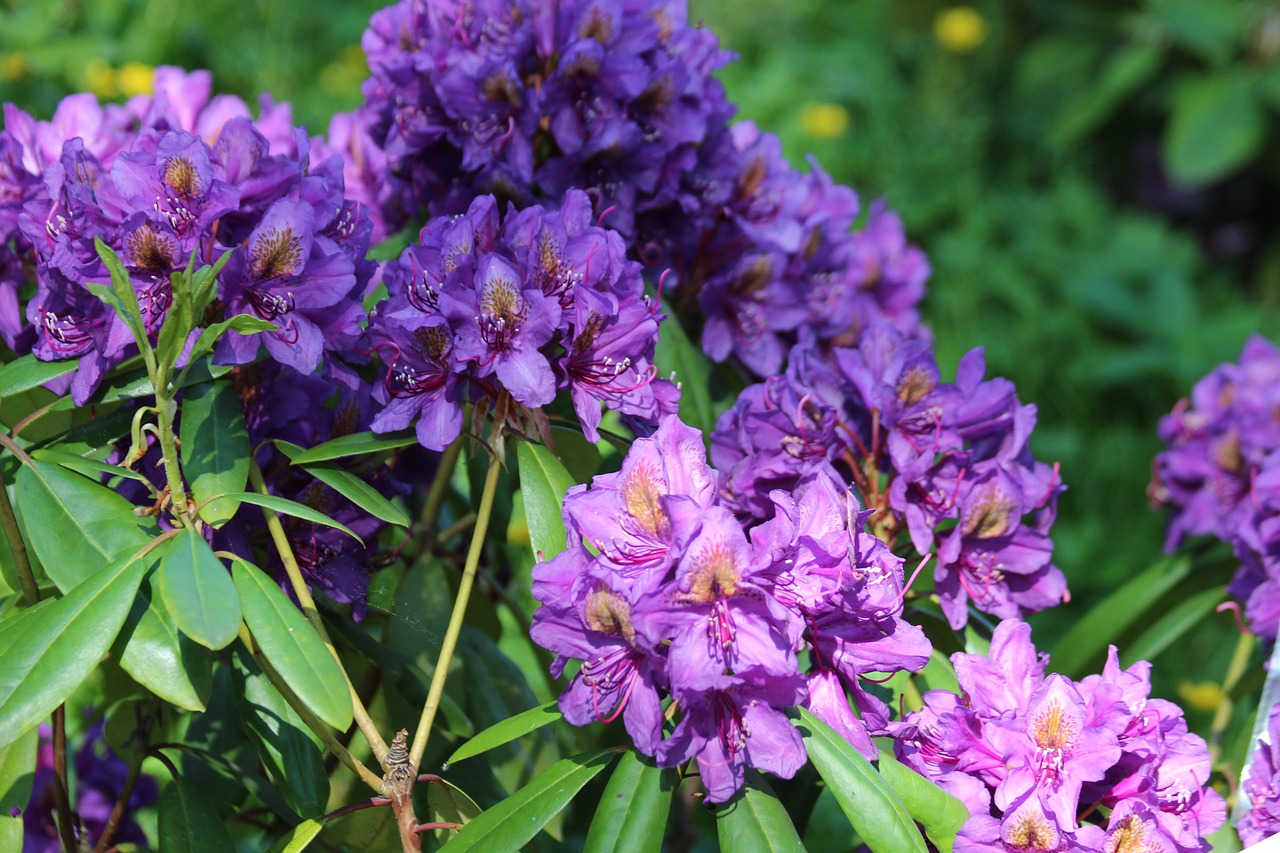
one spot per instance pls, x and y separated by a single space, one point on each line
581 458
299 838
161 658
133 384
350 486
1087 640
675 354
543 483
290 751
75 525
366 831
510 824
1217 126
938 812
17 773
632 815
1180 619
293 508
195 588
188 822
355 445
507 730
875 811
27 372
292 646
62 643
1130 68
215 448
449 804
756 822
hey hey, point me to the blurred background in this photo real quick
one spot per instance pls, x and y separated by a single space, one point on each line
1095 183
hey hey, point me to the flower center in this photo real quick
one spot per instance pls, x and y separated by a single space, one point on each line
609 614
149 250
914 385
1029 832
181 176
990 514
642 496
275 254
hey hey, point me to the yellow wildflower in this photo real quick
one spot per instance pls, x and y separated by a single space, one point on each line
960 29
824 121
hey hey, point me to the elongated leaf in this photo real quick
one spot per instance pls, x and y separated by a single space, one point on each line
510 824
875 811
163 659
195 588
355 445
350 486
292 646
120 295
632 815
285 506
366 831
299 838
17 773
676 354
215 448
507 731
75 525
938 812
756 822
1217 125
1180 619
132 384
27 372
61 644
86 467
449 804
1088 638
543 482
290 751
580 457
245 324
188 822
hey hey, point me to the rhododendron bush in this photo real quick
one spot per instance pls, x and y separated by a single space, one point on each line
622 500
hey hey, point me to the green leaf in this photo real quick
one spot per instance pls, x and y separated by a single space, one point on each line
90 468
292 508
62 643
1217 126
675 353
874 810
1127 71
512 823
756 822
17 773
1180 619
27 372
75 525
245 324
543 483
188 822
938 812
355 445
580 457
1087 640
195 588
506 731
215 448
448 803
350 486
365 831
292 646
120 295
632 815
290 751
299 838
133 384
161 658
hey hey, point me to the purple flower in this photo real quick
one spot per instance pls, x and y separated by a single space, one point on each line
1261 786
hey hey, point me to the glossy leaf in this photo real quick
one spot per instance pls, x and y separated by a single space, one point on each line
245 324
938 812
1218 124
510 824
61 644
120 295
196 589
17 775
632 815
875 811
543 483
161 658
90 468
580 457
507 730
756 822
290 751
292 646
675 353
285 506
299 838
356 444
448 803
75 525
132 384
27 372
215 448
188 822
351 487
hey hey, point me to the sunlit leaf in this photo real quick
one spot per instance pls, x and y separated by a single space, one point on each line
756 822
215 448
543 483
632 815
197 590
507 730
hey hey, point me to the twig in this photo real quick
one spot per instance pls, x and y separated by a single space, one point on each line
61 793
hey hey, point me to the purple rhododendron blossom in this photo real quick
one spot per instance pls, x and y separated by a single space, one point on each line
1262 786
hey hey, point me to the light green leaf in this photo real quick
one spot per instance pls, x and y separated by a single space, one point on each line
215 448
938 812
188 822
299 838
161 658
756 822
632 815
1181 618
27 372
543 483
245 324
196 590
506 731
90 468
292 646
876 812
120 295
17 773
356 444
285 506
1217 126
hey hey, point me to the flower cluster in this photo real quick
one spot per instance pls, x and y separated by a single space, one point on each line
531 302
946 463
1048 764
1221 475
166 179
100 779
662 592
1261 784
